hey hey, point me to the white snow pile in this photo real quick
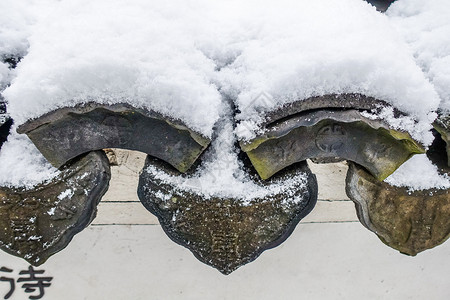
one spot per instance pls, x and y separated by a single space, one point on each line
418 173
221 175
425 25
108 51
16 21
312 48
182 58
173 56
22 165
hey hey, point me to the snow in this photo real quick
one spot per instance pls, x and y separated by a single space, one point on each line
142 52
184 58
173 56
425 25
66 194
221 174
313 48
16 20
4 75
418 130
22 165
418 173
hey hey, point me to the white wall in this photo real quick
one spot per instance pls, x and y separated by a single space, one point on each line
329 256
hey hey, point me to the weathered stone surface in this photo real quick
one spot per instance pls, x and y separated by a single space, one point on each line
329 134
37 223
326 160
410 222
227 233
68 132
330 102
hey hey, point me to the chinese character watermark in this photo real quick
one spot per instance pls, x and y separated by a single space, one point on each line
33 283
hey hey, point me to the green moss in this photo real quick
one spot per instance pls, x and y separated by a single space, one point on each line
260 165
396 147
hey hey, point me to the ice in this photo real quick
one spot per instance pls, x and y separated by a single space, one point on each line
425 25
418 173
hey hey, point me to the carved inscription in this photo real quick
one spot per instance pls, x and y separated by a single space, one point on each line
409 221
67 133
224 241
378 151
117 129
23 225
283 150
330 138
225 232
38 222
